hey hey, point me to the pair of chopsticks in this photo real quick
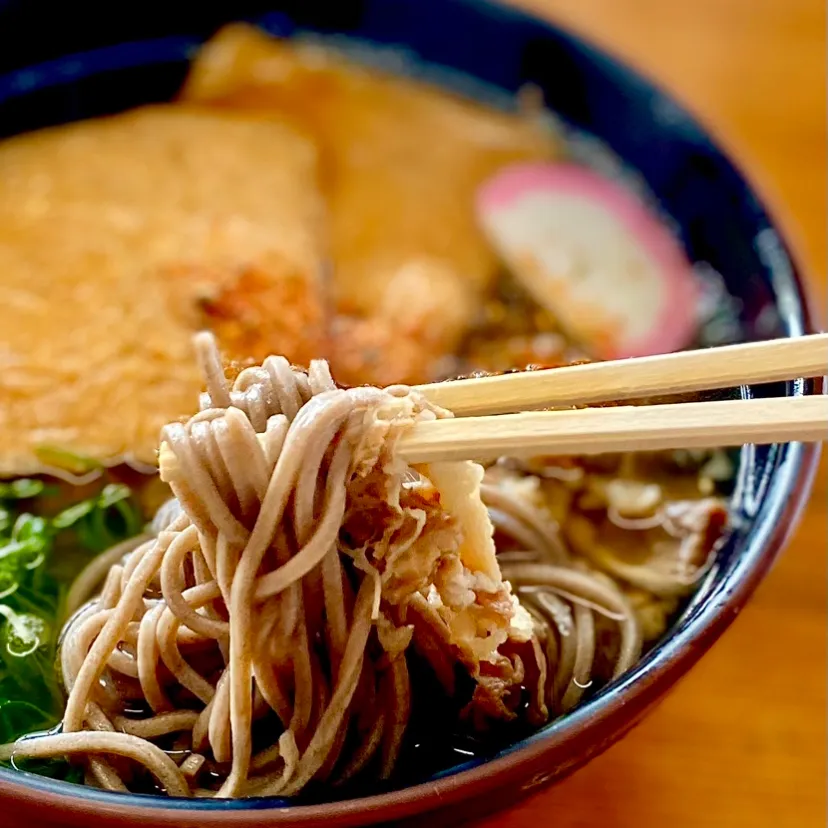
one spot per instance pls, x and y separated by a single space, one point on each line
486 425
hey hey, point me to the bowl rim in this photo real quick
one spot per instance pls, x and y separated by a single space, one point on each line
637 690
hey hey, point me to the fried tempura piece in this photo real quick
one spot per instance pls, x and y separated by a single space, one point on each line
119 237
400 164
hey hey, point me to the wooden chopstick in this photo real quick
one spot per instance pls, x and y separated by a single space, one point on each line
706 369
716 424
622 428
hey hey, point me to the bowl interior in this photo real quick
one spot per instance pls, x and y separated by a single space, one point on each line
62 62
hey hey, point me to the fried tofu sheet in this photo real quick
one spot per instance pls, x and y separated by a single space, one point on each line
293 202
119 238
400 163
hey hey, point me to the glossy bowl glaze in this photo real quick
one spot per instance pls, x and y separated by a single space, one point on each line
61 62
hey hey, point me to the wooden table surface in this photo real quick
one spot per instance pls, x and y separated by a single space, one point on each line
742 741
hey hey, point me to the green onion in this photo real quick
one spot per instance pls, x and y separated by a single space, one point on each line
21 489
102 521
23 633
70 516
66 460
31 598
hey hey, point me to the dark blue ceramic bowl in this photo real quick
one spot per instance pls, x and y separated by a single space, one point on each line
61 62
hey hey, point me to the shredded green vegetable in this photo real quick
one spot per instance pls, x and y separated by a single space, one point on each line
68 461
31 597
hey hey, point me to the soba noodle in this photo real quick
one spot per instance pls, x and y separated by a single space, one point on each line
257 638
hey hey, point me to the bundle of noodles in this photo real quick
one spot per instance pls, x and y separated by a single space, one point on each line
259 635
258 638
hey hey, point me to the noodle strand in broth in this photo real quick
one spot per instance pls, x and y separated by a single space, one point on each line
257 639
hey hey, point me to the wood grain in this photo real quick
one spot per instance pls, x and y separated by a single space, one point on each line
587 431
742 742
624 379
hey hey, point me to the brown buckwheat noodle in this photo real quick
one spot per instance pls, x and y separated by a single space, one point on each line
246 646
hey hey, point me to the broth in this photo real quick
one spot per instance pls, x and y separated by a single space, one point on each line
414 290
